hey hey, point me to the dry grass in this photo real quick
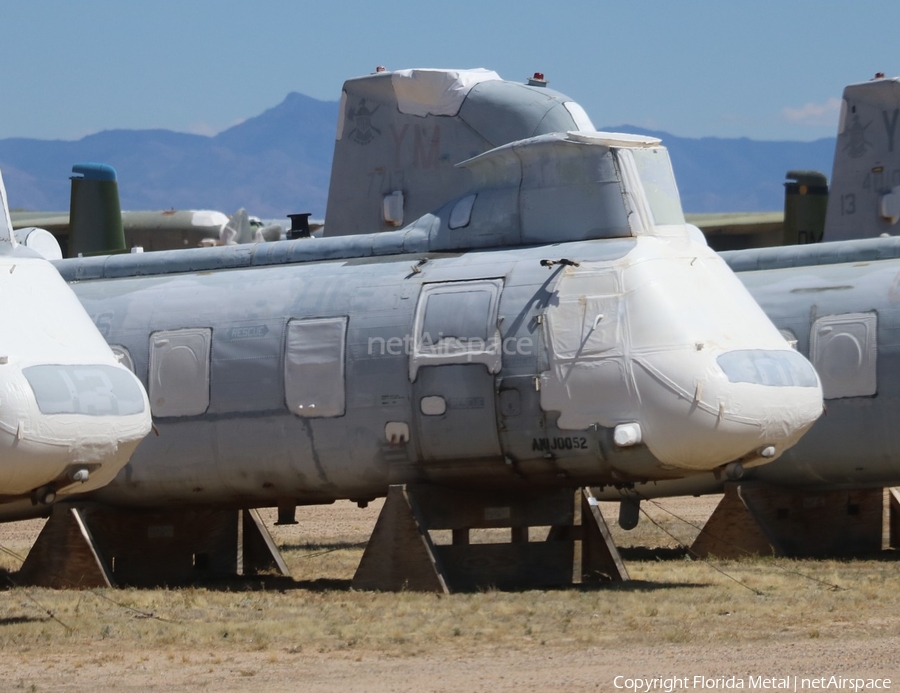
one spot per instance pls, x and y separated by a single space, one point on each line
675 616
668 602
671 599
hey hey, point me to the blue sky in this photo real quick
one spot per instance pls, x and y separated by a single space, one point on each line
764 69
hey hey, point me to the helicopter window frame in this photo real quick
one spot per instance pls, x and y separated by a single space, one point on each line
178 379
315 354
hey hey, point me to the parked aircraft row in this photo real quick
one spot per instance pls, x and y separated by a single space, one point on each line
95 223
297 358
541 316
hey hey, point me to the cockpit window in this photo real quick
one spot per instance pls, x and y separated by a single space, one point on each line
655 171
773 368
92 390
582 180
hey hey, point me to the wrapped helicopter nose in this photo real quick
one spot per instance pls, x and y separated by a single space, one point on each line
665 347
694 367
70 414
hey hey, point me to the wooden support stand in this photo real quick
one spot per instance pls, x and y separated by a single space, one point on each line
894 517
65 555
403 555
257 551
92 546
757 519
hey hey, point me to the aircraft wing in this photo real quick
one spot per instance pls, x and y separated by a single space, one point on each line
54 222
737 222
152 230
740 229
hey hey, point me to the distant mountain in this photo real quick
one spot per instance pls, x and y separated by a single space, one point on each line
737 175
274 164
280 161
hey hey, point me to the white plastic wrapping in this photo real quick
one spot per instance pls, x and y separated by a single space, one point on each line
423 92
639 215
6 227
627 346
40 241
179 372
65 401
844 350
588 382
208 217
579 115
314 367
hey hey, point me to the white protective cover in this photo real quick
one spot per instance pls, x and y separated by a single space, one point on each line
637 341
40 241
423 92
314 367
844 350
579 115
6 227
179 371
613 139
208 217
640 217
45 325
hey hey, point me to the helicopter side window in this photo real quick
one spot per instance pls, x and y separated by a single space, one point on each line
314 379
179 372
844 350
655 171
456 322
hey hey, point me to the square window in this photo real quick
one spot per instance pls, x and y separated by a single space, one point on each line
456 322
314 367
843 349
179 372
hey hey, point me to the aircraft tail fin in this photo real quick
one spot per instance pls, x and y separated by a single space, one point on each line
805 204
400 135
7 237
864 200
95 215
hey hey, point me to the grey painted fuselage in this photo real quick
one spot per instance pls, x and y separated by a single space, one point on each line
249 449
857 442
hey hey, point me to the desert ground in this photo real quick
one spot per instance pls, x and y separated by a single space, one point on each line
733 623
